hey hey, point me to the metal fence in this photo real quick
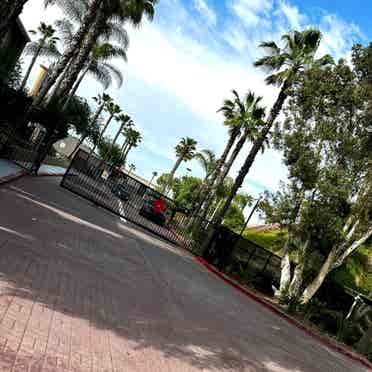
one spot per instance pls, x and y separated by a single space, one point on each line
110 188
242 258
26 151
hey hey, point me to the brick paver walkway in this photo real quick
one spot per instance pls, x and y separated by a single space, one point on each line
81 291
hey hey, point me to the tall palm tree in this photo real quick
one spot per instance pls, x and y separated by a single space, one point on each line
113 110
131 168
207 160
99 68
93 23
102 100
133 139
228 110
129 10
154 174
249 117
9 10
113 31
185 151
286 65
44 46
125 122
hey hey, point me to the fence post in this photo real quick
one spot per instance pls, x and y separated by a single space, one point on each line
266 263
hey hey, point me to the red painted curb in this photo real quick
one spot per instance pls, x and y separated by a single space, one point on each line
273 309
13 177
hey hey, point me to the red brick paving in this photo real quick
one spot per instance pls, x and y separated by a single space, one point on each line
80 291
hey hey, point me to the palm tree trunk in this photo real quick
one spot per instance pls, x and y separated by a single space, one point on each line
9 10
126 154
101 134
56 86
30 67
244 170
75 87
115 139
221 178
171 176
88 20
208 195
83 54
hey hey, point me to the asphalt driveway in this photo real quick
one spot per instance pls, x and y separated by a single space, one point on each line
82 291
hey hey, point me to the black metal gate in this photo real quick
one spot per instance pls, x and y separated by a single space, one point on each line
127 197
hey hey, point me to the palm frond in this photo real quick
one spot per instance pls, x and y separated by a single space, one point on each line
271 47
65 30
101 74
115 73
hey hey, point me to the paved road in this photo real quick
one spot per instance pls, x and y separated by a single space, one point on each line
81 291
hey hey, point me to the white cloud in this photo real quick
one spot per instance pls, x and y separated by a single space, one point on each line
251 11
294 18
202 7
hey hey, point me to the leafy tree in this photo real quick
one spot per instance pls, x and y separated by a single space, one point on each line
44 46
327 204
110 153
185 190
185 151
287 64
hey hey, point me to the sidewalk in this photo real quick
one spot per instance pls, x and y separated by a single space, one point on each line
10 171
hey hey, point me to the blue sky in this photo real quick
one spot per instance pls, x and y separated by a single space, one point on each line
182 65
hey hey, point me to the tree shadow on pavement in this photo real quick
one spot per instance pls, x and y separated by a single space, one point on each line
92 287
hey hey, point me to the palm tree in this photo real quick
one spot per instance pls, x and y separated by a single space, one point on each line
93 23
286 65
125 122
45 46
113 109
207 160
248 116
133 138
228 110
128 10
102 100
9 10
154 174
131 168
99 68
185 151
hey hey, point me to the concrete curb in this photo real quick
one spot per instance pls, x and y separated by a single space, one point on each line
13 177
50 175
322 340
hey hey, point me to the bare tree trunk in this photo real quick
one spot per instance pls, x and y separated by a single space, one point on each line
88 20
285 275
297 280
312 288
